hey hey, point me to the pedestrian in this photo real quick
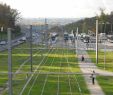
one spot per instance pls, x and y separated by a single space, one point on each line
82 58
93 77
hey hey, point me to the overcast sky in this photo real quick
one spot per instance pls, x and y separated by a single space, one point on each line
59 8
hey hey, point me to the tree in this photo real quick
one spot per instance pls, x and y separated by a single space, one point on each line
103 16
8 16
103 19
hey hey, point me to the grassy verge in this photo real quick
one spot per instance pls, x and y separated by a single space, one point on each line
106 63
106 84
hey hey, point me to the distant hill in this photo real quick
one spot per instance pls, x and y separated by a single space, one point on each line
50 21
89 24
83 25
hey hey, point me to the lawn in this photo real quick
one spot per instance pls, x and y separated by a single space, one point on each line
106 84
106 64
41 82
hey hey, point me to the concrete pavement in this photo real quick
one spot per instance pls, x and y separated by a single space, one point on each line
87 67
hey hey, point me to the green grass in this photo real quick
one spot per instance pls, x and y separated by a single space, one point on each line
59 65
58 60
108 61
18 57
106 84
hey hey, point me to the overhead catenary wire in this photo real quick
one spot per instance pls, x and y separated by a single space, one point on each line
68 71
58 85
18 70
47 77
76 81
27 60
33 74
35 81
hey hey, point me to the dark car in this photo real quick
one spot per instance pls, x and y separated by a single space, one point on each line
66 36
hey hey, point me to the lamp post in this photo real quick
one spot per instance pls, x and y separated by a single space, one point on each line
105 45
105 55
96 41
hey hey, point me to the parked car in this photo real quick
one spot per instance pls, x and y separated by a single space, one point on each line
3 42
66 36
102 36
23 39
110 38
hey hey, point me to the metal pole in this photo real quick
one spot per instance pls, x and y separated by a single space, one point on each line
74 40
77 39
105 49
31 47
111 28
46 39
9 62
96 41
104 55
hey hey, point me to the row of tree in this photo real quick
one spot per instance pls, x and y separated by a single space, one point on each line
105 24
8 17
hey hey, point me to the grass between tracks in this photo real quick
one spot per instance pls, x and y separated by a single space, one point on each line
19 55
58 60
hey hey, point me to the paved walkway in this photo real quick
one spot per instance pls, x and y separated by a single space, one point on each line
87 67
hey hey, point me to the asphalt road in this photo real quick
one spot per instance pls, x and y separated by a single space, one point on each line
92 46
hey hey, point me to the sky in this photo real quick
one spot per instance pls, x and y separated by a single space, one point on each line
59 8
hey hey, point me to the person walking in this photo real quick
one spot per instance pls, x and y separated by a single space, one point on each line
82 58
93 77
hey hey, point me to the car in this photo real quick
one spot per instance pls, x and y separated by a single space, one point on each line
85 41
66 36
110 38
23 39
102 36
53 38
3 43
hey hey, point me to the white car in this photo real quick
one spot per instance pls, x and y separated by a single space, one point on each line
23 39
3 42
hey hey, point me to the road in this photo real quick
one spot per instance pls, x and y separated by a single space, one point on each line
14 43
36 39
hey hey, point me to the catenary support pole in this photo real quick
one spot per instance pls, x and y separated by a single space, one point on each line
96 41
9 63
31 55
77 39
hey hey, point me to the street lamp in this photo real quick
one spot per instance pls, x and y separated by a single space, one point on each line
96 41
105 44
105 47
